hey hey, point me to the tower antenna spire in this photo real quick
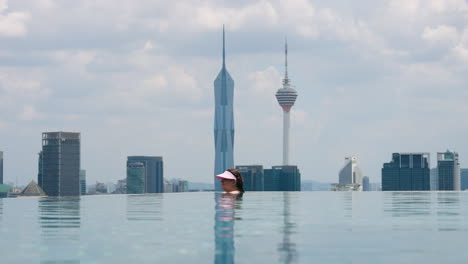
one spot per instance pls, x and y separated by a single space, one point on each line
286 58
224 50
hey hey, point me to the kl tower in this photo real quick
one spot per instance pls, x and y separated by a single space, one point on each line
286 97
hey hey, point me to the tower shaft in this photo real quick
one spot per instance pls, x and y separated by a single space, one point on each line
286 137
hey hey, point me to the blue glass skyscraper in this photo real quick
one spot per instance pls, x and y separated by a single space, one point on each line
224 120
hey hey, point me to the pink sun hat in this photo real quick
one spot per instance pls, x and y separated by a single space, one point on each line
226 175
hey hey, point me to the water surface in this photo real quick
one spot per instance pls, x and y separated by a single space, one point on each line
260 227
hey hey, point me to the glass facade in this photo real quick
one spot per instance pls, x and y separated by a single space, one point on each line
224 121
282 178
406 172
1 167
448 171
61 163
135 177
253 177
463 179
154 174
83 182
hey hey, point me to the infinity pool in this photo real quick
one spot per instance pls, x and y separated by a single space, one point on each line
260 227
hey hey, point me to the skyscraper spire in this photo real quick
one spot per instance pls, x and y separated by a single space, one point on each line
224 50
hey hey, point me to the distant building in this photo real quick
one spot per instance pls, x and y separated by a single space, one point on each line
282 178
406 172
180 186
60 163
448 171
347 187
253 177
154 179
82 182
168 188
434 180
463 179
135 177
100 188
351 173
4 189
365 184
32 189
121 187
39 169
1 167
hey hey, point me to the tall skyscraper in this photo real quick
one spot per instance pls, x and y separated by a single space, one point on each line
1 167
406 172
351 173
61 163
434 181
39 169
83 182
154 176
282 178
365 184
463 179
135 177
253 177
448 171
224 120
286 97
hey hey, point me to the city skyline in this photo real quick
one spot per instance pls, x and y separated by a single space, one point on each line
375 78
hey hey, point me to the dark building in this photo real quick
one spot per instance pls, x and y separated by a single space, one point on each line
365 184
253 177
448 171
406 172
61 163
282 178
135 177
154 180
463 179
39 169
82 182
1 167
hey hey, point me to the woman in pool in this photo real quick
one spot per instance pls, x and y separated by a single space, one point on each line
231 181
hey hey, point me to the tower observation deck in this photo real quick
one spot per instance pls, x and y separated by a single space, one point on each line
286 97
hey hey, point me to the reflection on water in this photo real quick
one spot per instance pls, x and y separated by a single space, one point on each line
448 211
59 219
225 207
144 207
407 204
287 248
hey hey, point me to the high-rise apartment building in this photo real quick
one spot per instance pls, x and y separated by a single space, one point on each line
135 177
351 173
83 182
60 160
406 172
365 184
1 167
463 179
253 177
224 121
448 171
282 178
154 177
286 97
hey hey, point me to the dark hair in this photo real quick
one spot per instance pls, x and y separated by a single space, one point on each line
239 179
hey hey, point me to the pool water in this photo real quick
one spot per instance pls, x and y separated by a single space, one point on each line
259 227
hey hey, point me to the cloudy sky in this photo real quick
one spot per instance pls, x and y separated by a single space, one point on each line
136 78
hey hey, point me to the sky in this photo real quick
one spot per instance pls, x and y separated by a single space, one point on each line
136 78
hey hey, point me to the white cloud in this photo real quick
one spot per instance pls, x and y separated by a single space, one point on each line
266 81
442 35
12 24
29 113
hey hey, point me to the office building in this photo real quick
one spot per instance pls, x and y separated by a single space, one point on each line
406 172
365 184
253 177
60 163
1 167
286 97
224 121
282 178
448 171
135 177
82 182
154 179
463 179
351 173
434 180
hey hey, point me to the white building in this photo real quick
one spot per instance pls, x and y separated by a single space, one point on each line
351 173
